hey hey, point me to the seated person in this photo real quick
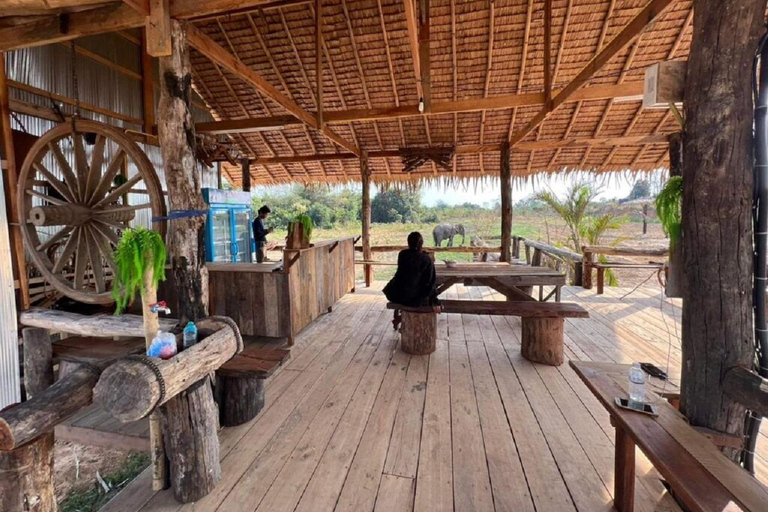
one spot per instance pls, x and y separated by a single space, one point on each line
414 283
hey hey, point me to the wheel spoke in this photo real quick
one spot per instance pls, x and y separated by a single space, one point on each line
69 177
118 209
54 239
81 164
119 191
95 257
103 227
94 171
106 179
44 197
81 260
55 182
104 242
69 248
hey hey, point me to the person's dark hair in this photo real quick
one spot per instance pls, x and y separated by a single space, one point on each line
415 240
264 209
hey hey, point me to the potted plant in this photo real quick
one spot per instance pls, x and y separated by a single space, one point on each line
669 209
300 232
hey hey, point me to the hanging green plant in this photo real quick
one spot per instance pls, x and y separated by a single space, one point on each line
305 221
669 209
138 250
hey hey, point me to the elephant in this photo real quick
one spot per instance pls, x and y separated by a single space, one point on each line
447 232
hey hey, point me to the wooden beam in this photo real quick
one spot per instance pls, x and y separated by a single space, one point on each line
147 88
115 17
216 53
11 179
424 64
157 33
412 25
506 203
475 149
748 388
48 7
548 53
319 61
632 30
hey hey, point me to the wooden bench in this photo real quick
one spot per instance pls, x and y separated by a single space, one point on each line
240 383
73 351
696 471
542 332
602 266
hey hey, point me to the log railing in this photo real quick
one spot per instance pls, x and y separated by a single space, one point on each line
535 252
589 252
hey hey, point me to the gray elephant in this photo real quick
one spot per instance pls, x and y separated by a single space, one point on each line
447 232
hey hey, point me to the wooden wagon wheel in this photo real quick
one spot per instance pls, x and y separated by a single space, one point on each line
84 207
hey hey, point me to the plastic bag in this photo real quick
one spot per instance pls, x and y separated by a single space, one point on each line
163 346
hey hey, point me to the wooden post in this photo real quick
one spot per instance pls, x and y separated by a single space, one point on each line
586 270
418 333
27 481
147 88
365 173
624 470
506 203
319 61
676 261
189 277
38 360
11 181
542 340
246 167
717 328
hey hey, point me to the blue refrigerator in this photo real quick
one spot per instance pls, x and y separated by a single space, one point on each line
228 236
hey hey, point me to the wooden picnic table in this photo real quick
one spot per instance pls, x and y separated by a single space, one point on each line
513 281
695 469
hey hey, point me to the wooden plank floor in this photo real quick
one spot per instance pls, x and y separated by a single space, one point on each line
353 424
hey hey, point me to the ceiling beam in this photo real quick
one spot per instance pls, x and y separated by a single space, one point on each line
418 40
628 34
575 143
631 91
216 53
114 17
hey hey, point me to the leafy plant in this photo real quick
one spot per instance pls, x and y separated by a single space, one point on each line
138 250
669 208
572 209
306 223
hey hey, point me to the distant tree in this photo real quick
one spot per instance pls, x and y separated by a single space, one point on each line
395 206
640 190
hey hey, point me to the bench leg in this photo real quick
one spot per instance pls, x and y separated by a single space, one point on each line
557 293
542 340
600 280
624 484
418 333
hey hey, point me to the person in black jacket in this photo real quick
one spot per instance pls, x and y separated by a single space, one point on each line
260 233
414 284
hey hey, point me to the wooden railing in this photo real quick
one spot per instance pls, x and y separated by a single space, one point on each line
535 252
591 250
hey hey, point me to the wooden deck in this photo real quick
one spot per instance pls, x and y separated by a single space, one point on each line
353 425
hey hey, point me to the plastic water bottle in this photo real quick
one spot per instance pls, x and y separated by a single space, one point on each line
190 334
636 385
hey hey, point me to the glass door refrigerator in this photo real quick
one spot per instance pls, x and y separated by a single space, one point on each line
228 236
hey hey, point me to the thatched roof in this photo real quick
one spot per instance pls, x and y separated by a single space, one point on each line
479 49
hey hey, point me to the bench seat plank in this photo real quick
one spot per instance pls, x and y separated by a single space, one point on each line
254 361
524 309
696 470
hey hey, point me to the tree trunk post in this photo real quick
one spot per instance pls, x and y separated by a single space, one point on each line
586 270
418 333
27 481
506 203
365 174
676 260
38 360
190 414
542 340
717 332
246 167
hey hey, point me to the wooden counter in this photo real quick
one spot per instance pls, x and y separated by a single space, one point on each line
279 299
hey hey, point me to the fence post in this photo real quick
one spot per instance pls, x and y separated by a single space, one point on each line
587 270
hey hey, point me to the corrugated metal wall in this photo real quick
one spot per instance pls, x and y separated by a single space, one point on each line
116 88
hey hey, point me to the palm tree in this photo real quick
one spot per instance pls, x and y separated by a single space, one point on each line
572 209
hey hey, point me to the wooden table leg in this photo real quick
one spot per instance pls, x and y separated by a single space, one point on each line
600 280
557 292
624 468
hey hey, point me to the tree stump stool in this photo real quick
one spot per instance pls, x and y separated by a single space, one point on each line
27 477
418 332
240 383
542 340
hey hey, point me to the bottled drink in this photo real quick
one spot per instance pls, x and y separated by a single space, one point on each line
636 385
190 334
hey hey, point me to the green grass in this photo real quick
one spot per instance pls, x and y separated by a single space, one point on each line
93 498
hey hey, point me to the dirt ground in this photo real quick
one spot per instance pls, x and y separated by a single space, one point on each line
75 466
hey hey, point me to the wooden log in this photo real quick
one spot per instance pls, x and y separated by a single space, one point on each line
542 340
190 426
103 326
554 251
26 484
623 251
129 390
748 388
586 266
24 422
398 248
418 333
536 259
676 262
74 215
600 280
506 203
240 397
717 323
365 175
38 360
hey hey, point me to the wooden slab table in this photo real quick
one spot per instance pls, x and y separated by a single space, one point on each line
695 469
512 281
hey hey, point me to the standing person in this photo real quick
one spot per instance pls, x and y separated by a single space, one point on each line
415 281
260 234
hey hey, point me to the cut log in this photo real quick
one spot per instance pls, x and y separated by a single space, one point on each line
26 484
38 360
748 388
129 389
190 425
542 340
26 421
101 326
240 397
506 202
418 333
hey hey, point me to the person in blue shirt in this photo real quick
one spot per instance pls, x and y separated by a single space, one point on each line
260 233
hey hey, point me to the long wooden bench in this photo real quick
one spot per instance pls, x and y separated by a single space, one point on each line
542 333
696 471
